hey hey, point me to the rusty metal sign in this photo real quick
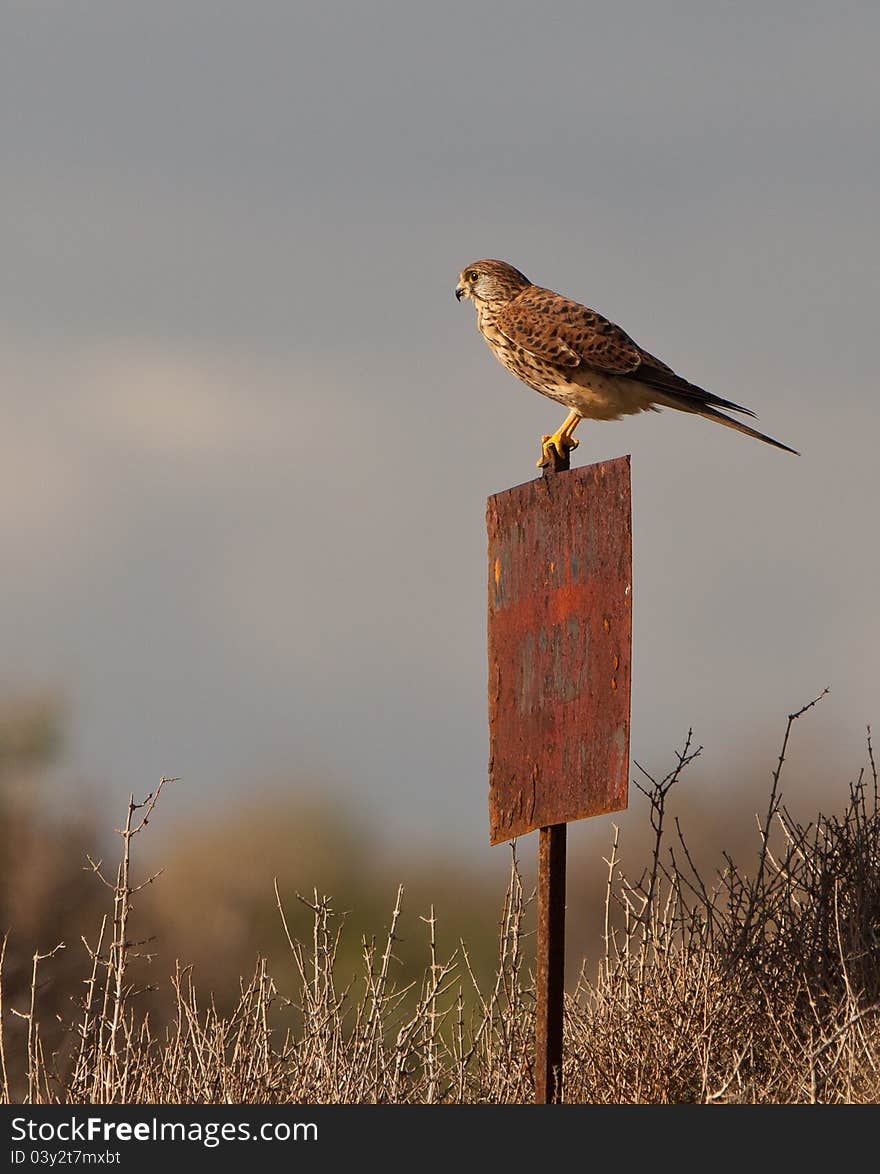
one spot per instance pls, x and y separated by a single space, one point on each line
560 633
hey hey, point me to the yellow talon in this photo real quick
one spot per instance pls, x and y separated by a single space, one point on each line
562 440
562 444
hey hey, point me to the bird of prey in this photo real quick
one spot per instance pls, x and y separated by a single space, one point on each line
574 355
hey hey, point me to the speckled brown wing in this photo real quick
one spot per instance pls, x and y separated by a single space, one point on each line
557 330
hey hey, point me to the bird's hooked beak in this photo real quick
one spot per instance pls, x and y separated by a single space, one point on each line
460 292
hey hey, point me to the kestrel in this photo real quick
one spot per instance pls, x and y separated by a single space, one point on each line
575 356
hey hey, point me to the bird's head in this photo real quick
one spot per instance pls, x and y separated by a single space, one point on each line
490 282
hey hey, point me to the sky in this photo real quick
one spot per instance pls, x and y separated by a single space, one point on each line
248 434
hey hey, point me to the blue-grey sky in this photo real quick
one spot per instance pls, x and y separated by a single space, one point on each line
248 434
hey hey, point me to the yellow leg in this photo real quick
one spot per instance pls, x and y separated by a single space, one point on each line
562 439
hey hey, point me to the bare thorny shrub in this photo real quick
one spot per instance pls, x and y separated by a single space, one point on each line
760 988
756 987
369 1040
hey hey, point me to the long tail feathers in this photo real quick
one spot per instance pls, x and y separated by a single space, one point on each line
688 405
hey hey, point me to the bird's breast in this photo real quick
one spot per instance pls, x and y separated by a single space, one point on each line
590 393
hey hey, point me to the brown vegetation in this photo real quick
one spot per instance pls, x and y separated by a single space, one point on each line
761 986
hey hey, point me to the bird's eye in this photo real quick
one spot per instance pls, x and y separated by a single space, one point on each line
472 275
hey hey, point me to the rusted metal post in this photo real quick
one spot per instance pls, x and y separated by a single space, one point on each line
550 970
550 961
560 627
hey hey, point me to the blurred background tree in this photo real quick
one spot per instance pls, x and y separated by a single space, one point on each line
45 896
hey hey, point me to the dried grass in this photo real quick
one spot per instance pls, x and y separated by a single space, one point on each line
759 987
